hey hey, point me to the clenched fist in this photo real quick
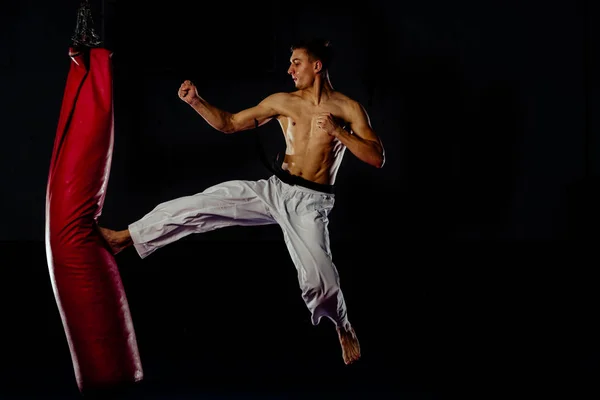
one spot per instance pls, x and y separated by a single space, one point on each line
326 122
187 92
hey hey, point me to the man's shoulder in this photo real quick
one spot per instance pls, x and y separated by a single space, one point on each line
280 96
345 100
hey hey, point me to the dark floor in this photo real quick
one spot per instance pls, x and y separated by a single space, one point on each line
218 318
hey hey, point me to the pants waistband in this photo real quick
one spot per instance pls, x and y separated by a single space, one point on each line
296 180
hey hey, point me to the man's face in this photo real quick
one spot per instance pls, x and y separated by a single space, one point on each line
301 69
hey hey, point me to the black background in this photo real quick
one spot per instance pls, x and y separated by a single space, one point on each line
467 260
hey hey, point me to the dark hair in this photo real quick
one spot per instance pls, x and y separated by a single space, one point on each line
317 49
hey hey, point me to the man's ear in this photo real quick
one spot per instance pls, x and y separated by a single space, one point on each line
318 66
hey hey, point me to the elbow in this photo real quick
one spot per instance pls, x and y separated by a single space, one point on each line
374 158
227 130
379 159
226 126
375 161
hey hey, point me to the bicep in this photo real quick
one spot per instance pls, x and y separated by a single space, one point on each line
360 124
261 113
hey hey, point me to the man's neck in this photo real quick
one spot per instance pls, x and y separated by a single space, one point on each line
320 90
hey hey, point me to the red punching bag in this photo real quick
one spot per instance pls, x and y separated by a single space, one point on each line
84 275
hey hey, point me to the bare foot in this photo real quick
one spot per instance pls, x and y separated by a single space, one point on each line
117 240
350 346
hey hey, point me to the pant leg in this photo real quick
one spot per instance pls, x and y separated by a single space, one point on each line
303 217
229 203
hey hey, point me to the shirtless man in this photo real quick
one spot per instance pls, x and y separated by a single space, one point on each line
318 124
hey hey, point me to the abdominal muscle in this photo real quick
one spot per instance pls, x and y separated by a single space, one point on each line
310 153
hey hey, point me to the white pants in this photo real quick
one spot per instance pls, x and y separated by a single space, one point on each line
301 213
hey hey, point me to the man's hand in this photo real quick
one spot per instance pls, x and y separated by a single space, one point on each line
188 93
326 122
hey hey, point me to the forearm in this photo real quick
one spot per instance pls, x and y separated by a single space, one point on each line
368 151
215 117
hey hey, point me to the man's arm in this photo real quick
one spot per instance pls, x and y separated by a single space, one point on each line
363 142
225 121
